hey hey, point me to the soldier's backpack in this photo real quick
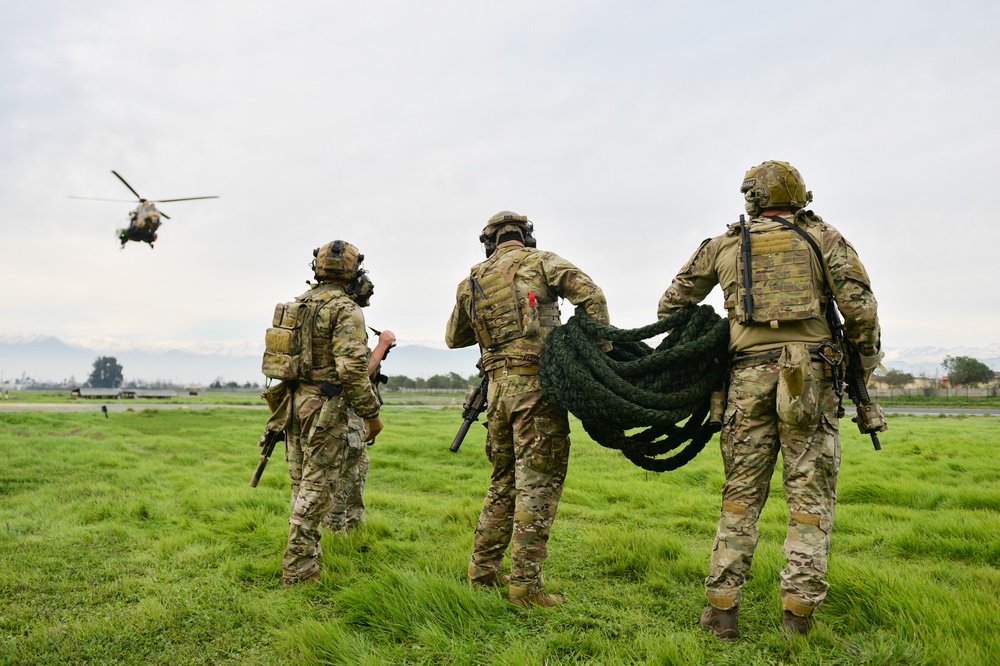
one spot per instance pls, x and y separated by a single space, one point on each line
288 343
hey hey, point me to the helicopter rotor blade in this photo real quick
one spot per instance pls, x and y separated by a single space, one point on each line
184 199
162 214
138 196
97 199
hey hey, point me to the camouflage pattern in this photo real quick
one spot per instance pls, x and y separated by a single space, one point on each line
774 184
781 285
545 274
348 510
340 347
528 444
528 436
316 449
338 260
716 262
317 446
783 402
762 419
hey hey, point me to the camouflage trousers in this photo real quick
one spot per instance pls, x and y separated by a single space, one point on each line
316 450
787 405
348 510
528 444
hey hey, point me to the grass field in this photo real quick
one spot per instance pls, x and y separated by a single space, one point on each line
137 540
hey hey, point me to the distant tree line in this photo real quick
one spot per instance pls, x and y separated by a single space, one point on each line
219 384
962 371
452 380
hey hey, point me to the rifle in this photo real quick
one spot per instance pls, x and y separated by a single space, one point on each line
266 444
869 418
272 437
475 404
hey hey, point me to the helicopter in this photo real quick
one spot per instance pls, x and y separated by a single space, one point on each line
145 219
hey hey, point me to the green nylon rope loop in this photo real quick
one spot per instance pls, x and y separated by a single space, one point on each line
663 390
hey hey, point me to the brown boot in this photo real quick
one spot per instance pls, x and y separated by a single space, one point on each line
796 624
524 597
723 622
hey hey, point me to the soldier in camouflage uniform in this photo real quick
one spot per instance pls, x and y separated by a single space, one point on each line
781 393
334 380
348 510
508 305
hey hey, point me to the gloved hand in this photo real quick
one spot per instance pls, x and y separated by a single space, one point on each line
372 428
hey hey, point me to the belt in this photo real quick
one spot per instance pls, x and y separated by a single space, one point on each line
815 353
497 373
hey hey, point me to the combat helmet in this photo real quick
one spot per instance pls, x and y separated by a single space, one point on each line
338 261
506 222
774 184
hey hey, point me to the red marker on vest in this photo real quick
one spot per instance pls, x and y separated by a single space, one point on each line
531 299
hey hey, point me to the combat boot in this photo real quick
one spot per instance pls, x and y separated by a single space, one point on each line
723 622
491 579
796 624
526 596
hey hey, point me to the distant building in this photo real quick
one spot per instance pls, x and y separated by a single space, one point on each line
96 393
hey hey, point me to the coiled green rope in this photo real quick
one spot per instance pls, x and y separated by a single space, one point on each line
664 390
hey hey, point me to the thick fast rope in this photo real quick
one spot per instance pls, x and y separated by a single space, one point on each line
665 390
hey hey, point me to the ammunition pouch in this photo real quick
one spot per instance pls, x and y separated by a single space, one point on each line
285 355
870 419
716 407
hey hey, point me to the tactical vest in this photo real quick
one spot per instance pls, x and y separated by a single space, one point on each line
499 317
295 348
782 283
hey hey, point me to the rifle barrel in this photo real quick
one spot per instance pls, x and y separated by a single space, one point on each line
260 470
463 430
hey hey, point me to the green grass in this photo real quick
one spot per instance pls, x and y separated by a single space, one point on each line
950 401
137 540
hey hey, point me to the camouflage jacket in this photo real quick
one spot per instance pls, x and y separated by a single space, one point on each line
545 274
717 260
340 341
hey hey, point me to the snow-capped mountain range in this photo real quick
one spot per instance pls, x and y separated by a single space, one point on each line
50 359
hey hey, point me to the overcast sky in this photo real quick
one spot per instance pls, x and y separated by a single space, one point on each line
622 129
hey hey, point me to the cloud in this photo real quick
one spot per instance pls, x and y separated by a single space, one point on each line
622 129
